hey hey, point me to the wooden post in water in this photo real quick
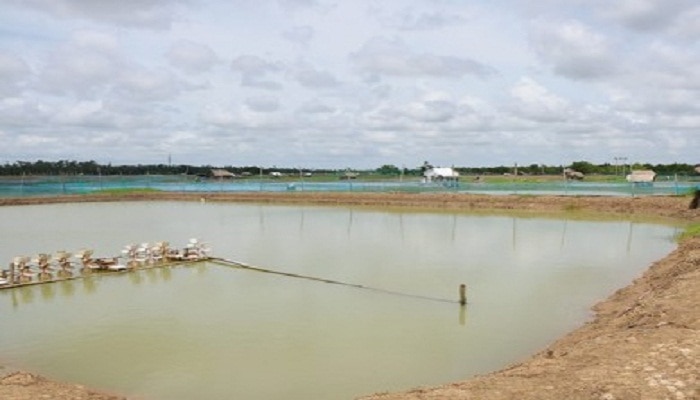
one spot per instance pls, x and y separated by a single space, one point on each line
463 294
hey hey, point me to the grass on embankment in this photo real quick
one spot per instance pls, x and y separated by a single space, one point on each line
691 231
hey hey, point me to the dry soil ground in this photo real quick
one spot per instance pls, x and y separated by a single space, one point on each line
644 342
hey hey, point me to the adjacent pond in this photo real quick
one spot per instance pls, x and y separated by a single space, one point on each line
214 332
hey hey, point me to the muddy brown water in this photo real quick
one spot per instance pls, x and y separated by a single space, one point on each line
210 331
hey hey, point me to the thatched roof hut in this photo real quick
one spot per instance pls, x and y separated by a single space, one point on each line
222 174
641 176
572 174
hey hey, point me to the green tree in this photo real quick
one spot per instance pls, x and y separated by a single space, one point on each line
584 167
388 170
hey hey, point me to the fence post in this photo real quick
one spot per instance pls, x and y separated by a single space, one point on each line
675 183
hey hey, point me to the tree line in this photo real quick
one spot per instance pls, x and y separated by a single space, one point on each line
71 167
586 168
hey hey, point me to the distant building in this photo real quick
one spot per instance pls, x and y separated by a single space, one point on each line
222 174
347 175
572 174
439 174
641 176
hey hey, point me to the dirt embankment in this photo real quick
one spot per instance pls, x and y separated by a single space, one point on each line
590 206
644 342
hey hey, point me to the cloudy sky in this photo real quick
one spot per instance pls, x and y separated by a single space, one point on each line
350 83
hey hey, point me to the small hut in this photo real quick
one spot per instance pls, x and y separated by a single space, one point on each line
641 176
222 174
571 174
348 175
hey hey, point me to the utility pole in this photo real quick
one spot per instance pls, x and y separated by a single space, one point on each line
622 167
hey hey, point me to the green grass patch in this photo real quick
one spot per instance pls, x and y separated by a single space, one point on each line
690 192
691 231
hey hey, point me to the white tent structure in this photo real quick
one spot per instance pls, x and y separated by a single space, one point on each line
440 174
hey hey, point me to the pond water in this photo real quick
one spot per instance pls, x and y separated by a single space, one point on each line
215 332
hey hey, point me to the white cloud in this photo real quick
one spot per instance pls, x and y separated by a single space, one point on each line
574 50
316 107
299 34
359 84
254 71
533 101
381 56
84 113
312 78
670 90
686 26
14 73
87 63
192 57
149 85
296 4
157 14
646 15
17 113
95 41
432 111
263 104
411 19
218 116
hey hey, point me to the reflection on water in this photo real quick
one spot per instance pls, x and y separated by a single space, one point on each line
462 315
89 285
47 292
67 288
209 331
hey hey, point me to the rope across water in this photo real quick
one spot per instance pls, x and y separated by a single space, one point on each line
239 264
